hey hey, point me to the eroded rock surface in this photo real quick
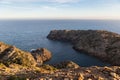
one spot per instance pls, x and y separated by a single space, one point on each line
99 43
41 55
66 65
82 73
12 55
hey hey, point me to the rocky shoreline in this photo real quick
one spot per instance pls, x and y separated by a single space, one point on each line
16 64
102 44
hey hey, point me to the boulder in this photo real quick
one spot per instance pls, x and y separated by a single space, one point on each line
99 43
41 55
66 64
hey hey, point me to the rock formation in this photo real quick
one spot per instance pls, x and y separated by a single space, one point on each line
66 64
41 55
11 54
99 43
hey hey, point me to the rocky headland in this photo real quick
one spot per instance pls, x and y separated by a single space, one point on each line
102 44
12 55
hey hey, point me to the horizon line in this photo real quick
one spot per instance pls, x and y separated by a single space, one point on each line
59 19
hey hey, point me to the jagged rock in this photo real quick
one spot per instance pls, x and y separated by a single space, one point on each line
66 79
118 71
114 75
99 43
100 78
81 77
11 54
41 55
66 64
3 46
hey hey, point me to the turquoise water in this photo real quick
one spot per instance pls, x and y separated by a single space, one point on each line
31 34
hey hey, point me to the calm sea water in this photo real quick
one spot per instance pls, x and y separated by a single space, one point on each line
31 34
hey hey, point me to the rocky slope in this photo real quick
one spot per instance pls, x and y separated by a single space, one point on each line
41 73
84 73
99 43
10 54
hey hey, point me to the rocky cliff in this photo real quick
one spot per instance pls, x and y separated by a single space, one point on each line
12 55
99 43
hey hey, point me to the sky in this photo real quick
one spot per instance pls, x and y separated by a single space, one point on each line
59 9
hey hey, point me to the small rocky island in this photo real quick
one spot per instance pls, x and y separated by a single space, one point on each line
102 44
16 64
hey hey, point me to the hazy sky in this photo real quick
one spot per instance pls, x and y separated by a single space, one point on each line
60 9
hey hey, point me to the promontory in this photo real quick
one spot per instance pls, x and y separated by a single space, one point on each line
102 44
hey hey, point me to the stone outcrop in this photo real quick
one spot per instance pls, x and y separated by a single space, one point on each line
12 55
99 43
66 64
41 55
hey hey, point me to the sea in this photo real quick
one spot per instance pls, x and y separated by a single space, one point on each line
31 34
